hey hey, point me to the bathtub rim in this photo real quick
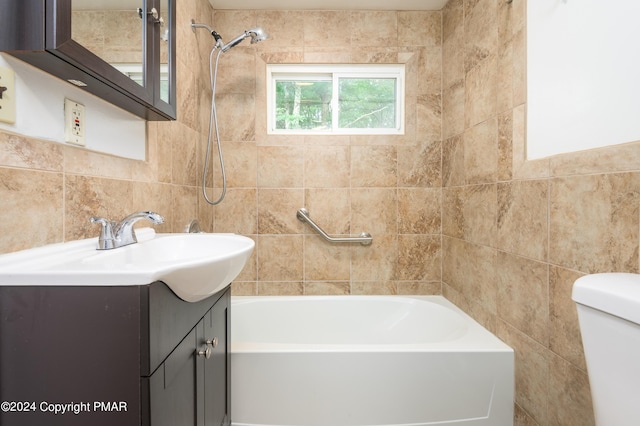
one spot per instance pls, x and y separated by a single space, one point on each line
475 339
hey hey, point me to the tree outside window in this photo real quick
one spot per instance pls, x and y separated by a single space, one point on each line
339 99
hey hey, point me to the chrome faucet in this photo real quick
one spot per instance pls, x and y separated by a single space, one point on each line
114 235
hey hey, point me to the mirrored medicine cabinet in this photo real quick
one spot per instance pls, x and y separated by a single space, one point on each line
122 51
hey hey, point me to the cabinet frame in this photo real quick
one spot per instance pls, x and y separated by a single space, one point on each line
39 33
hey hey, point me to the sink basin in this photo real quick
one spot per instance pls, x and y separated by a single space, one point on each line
194 266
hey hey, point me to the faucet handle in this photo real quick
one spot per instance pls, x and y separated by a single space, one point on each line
106 240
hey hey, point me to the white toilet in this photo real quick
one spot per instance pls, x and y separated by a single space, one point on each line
609 315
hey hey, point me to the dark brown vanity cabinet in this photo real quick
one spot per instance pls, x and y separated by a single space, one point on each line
106 356
39 32
174 388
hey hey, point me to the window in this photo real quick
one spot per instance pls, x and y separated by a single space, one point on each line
335 99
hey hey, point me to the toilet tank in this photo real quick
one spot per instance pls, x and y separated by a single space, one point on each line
609 315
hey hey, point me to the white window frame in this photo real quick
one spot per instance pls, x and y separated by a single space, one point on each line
334 72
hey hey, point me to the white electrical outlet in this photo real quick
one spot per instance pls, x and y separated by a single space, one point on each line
74 122
7 95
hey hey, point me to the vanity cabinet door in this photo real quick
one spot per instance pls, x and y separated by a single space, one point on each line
216 369
173 386
191 386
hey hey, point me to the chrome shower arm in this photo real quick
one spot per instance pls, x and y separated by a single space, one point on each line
215 35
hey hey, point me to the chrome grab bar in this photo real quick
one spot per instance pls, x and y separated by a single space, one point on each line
365 238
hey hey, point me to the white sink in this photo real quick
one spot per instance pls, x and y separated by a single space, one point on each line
194 266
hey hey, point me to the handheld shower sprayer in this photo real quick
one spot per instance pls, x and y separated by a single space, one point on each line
256 35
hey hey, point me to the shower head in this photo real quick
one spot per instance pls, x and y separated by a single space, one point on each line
257 35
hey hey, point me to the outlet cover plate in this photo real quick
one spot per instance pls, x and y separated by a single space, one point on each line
8 101
74 123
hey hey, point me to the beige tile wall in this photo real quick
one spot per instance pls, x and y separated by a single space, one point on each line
516 233
513 234
349 184
389 186
113 35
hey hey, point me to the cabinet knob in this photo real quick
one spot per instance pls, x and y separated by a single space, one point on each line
205 352
213 343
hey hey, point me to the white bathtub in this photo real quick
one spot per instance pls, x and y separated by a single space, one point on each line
365 360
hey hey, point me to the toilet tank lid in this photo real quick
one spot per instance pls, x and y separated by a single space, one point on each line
615 293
